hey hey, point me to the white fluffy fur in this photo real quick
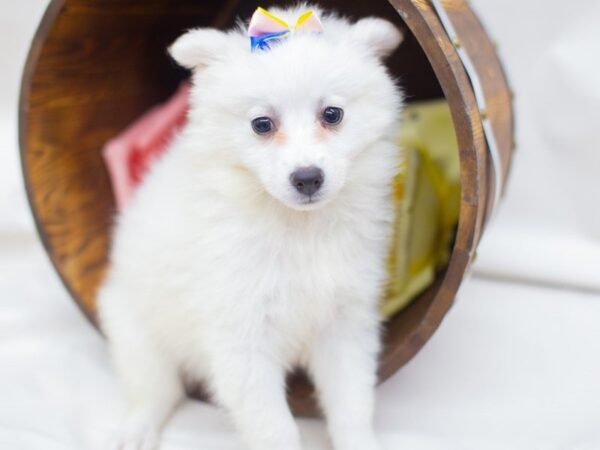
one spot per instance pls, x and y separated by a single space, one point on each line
222 273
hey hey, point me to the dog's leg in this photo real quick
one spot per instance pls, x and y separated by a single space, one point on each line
152 386
251 387
343 365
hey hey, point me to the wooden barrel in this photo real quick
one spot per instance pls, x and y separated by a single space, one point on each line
96 65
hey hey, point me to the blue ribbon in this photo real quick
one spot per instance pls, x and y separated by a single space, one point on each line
265 41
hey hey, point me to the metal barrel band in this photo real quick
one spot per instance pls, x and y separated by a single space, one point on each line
475 81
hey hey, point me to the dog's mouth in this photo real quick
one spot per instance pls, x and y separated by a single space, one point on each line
310 202
304 202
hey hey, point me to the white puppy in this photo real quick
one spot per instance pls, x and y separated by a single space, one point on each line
257 244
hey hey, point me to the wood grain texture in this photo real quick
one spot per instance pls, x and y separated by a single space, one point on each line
96 65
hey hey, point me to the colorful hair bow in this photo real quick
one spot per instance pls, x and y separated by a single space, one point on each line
266 28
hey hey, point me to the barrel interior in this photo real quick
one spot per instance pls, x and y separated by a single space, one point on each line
96 66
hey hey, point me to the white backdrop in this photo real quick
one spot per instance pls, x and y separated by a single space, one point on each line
549 226
514 365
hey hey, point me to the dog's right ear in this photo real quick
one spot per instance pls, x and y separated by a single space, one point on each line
378 36
200 47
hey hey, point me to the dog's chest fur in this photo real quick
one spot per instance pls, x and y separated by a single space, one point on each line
290 277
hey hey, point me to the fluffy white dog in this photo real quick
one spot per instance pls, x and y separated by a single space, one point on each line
257 244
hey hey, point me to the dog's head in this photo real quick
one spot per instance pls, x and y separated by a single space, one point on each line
297 115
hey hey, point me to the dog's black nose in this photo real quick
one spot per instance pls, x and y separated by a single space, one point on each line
307 180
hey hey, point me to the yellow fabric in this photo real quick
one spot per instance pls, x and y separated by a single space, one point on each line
427 195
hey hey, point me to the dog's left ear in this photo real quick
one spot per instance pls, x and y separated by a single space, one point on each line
200 47
379 36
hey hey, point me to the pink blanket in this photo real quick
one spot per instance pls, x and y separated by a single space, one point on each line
129 155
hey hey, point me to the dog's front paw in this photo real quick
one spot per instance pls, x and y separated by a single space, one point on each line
135 439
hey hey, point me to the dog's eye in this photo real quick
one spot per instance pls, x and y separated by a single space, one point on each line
333 115
263 125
